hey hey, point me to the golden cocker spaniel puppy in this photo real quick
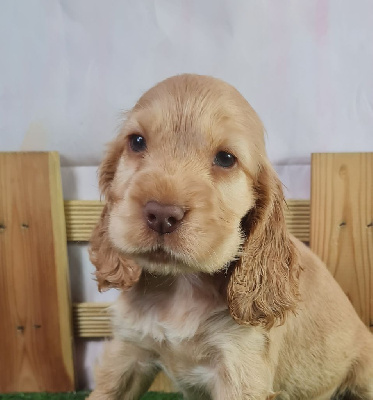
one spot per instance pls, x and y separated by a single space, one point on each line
215 291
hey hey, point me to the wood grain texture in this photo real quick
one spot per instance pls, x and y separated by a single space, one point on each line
342 223
297 217
35 323
91 320
82 216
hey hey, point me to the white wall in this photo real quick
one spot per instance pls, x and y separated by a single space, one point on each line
68 67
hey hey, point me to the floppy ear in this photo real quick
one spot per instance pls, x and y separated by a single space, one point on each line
263 286
109 165
112 269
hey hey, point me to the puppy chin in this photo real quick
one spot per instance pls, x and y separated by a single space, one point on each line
160 262
163 268
163 263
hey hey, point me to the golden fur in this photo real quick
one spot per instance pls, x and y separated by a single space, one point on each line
229 305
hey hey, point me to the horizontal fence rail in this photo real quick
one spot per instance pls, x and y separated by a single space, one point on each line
82 215
91 320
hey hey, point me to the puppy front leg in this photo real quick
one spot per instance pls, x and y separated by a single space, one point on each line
244 381
246 394
124 373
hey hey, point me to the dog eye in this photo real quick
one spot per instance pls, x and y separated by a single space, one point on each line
137 143
224 159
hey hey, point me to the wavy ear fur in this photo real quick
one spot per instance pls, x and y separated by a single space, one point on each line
263 286
109 165
112 269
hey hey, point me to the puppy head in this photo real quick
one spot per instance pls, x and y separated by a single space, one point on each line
189 189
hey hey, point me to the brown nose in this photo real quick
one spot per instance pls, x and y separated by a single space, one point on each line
162 218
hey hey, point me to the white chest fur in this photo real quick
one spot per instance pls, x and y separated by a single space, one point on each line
167 309
185 322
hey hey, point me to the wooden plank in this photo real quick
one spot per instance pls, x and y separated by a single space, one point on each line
341 223
91 320
82 216
297 217
35 324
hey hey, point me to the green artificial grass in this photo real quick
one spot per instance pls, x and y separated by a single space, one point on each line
81 396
